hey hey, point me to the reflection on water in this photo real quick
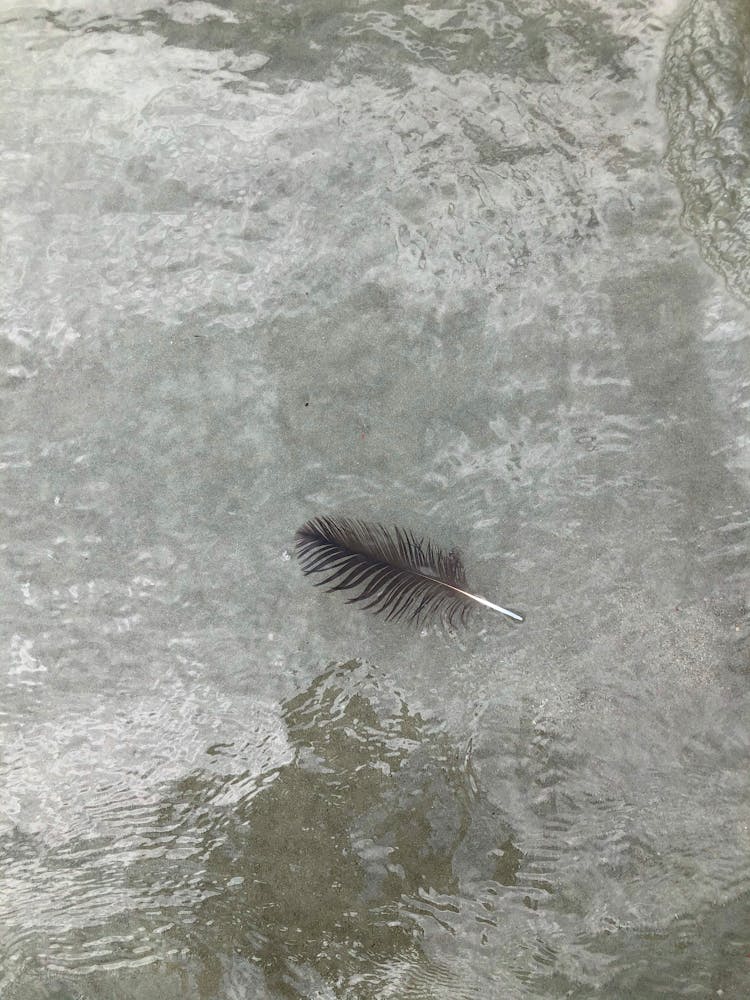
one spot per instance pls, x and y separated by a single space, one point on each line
371 864
353 844
706 93
309 40
326 869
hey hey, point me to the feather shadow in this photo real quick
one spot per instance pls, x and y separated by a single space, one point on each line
394 573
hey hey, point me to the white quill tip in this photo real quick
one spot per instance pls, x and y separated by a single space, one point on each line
513 615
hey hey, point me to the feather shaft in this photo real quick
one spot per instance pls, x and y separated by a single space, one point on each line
514 616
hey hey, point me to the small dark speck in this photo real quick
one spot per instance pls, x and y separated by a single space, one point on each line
307 404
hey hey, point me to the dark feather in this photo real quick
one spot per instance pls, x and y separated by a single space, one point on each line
394 572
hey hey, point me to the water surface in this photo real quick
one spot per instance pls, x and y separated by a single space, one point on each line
468 268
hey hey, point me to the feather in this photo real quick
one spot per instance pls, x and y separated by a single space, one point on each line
394 572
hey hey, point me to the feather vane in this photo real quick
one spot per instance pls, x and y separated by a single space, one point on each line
394 572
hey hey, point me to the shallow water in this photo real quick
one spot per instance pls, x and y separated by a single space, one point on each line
450 267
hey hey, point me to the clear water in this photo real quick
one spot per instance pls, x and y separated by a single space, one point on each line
457 267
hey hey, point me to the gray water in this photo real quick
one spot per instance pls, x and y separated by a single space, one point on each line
477 269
